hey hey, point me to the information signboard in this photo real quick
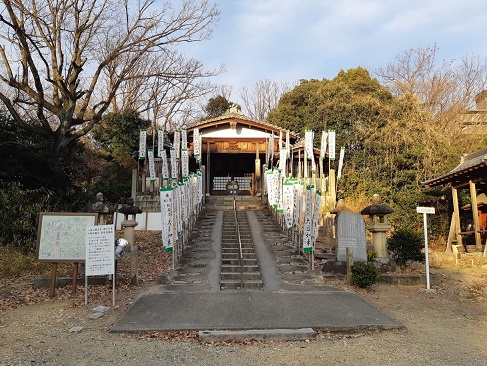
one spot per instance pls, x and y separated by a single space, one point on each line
61 236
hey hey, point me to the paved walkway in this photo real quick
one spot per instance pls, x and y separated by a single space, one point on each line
293 296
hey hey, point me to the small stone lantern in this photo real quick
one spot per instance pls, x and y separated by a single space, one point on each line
379 226
129 233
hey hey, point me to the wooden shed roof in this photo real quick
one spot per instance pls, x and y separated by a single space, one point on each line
472 167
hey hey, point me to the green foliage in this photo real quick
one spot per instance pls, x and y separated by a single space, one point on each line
217 106
118 136
383 154
20 208
364 274
405 245
371 255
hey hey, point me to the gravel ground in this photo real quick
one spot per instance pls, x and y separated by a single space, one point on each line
447 327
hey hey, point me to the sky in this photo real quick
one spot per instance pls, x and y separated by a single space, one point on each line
289 40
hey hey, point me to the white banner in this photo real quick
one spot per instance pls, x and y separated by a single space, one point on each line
278 189
160 142
313 164
199 197
142 144
271 148
324 137
185 163
176 199
288 145
270 188
287 203
331 143
185 200
280 140
296 202
184 138
165 170
340 163
167 217
196 144
152 168
282 161
308 142
174 164
177 143
307 231
316 215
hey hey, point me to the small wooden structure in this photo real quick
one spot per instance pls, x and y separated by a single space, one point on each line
471 173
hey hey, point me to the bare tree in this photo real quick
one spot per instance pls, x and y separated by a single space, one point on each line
450 85
169 97
263 97
444 91
64 61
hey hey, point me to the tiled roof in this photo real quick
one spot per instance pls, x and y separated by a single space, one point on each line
472 166
238 116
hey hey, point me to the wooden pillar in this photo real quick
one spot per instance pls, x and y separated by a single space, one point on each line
299 164
332 184
134 183
475 213
208 178
456 213
256 177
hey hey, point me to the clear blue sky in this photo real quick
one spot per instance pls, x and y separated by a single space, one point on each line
288 40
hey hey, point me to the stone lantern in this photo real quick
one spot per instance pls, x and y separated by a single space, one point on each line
379 226
129 224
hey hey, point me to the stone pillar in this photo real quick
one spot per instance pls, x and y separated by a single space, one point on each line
128 227
129 233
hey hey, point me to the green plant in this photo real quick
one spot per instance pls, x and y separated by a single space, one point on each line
371 255
405 245
364 274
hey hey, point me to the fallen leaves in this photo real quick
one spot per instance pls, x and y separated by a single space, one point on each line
152 262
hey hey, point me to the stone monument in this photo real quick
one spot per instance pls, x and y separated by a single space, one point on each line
351 234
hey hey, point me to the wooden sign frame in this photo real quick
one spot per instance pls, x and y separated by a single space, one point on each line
61 236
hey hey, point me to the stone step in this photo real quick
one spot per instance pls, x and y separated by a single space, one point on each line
236 249
226 256
236 276
236 267
237 284
236 262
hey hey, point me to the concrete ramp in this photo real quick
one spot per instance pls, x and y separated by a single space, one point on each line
334 310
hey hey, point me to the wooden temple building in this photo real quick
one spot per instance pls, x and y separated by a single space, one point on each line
468 228
234 146
237 147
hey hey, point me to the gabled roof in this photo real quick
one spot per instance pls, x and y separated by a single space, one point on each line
233 116
472 167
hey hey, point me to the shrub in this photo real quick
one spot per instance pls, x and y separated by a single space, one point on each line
13 263
371 255
405 245
364 274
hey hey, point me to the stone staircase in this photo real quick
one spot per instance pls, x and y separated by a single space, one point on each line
226 202
233 275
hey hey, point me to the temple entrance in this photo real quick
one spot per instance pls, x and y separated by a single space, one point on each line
222 167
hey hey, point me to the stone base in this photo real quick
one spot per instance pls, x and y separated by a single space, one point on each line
45 281
407 279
